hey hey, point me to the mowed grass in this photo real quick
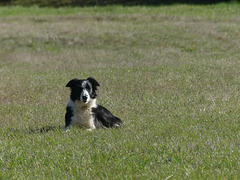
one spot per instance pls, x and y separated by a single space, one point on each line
171 73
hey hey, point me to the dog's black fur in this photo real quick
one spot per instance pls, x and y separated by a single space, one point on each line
82 108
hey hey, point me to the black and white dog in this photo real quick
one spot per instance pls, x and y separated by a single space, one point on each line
82 109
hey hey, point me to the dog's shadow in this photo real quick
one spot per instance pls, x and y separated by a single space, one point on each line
44 129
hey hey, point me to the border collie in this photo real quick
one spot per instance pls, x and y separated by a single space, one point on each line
82 109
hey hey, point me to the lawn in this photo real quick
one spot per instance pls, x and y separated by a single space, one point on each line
171 73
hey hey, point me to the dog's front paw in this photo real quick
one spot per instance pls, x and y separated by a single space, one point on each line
90 129
66 129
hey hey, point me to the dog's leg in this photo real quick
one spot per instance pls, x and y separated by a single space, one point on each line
68 118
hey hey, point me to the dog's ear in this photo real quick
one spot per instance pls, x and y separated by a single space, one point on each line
72 83
93 82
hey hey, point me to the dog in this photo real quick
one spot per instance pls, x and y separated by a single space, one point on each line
82 109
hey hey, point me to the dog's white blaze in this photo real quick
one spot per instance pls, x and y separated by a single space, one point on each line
82 114
85 92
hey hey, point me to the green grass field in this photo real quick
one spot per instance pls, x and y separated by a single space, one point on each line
171 73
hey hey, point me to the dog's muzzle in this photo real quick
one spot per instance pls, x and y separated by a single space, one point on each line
84 99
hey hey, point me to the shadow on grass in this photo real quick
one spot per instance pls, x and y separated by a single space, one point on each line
44 129
13 132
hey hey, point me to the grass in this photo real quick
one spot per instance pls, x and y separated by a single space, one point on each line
170 72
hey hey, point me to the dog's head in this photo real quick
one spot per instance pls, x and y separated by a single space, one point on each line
83 89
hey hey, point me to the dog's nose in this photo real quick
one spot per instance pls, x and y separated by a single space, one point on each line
84 98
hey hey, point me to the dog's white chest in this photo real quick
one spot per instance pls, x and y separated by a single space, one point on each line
82 116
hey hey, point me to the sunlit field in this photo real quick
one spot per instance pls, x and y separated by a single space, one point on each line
171 73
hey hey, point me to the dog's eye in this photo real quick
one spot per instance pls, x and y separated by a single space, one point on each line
87 86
